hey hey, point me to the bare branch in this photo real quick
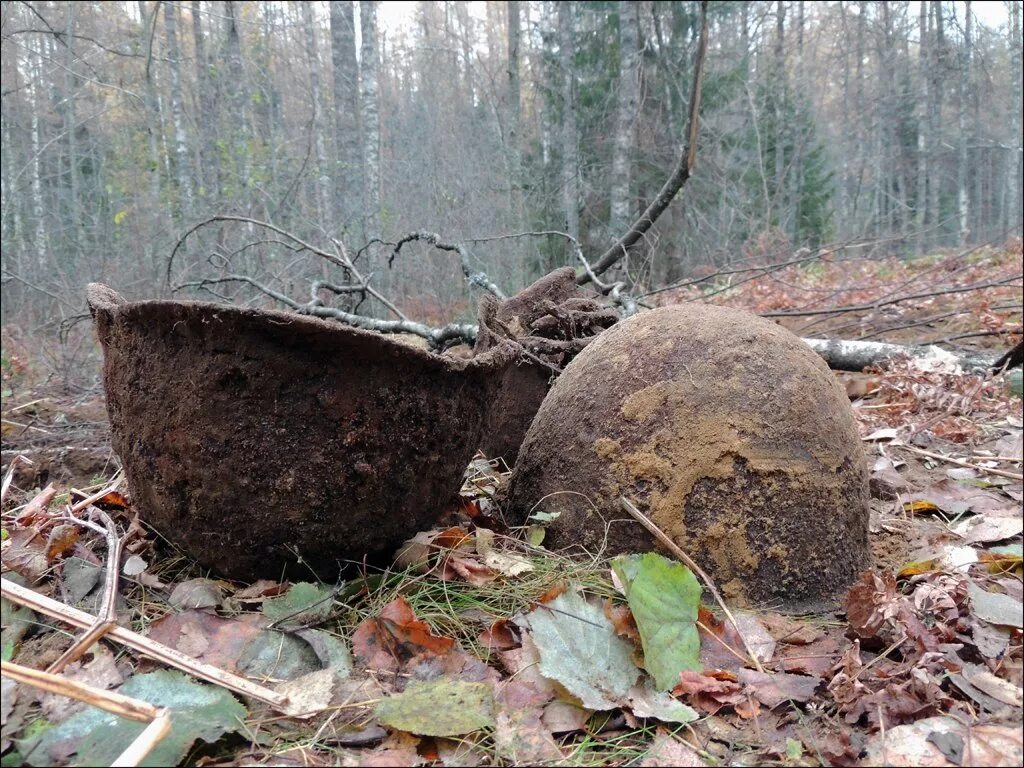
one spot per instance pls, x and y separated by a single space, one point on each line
437 337
888 302
479 279
255 222
679 176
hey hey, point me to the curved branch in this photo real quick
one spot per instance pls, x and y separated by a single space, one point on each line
255 222
680 175
479 279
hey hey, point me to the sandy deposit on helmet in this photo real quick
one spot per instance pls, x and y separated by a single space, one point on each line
727 430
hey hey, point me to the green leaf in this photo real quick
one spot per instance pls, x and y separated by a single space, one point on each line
305 602
277 655
794 749
442 707
1015 382
96 737
119 217
663 596
579 648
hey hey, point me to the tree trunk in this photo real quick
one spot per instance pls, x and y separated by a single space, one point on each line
779 100
324 216
181 155
514 111
962 194
569 135
370 114
70 128
209 159
621 204
857 355
235 89
347 183
924 141
1016 165
938 65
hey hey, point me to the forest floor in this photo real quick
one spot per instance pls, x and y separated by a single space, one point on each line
920 664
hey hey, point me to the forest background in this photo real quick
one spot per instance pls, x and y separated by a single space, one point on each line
851 127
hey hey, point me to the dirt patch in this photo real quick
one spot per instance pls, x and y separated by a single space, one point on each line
728 429
263 442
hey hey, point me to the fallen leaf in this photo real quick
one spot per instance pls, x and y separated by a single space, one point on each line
504 563
80 577
871 603
709 693
996 687
61 540
521 735
133 566
198 712
15 620
210 638
309 694
100 672
622 619
500 636
392 638
196 593
303 603
441 707
668 752
469 569
271 655
38 507
914 744
258 590
24 552
991 640
779 687
996 608
663 596
578 648
1005 559
565 716
981 529
645 702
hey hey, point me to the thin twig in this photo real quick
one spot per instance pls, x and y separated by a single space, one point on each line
959 462
680 174
107 618
170 656
674 548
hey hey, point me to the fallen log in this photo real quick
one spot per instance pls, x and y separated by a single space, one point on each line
856 355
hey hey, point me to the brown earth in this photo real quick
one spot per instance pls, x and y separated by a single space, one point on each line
263 441
728 429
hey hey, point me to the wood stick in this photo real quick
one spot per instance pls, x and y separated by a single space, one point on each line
115 703
170 656
158 718
145 742
107 618
958 462
674 548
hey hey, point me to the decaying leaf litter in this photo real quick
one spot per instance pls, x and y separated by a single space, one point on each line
457 655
